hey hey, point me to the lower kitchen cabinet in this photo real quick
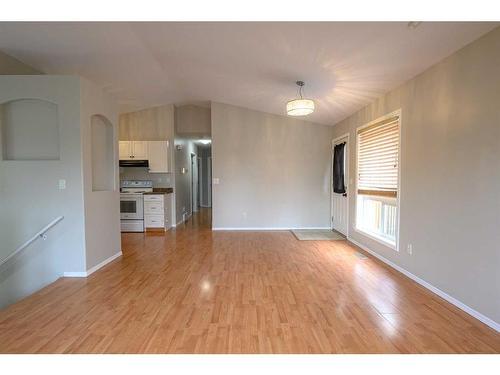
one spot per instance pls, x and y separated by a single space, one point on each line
158 211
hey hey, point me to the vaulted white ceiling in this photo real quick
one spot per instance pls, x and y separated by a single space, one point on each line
254 65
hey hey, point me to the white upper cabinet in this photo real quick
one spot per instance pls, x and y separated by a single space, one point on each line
158 153
140 150
133 150
125 150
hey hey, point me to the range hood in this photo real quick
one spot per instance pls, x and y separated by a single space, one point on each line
134 163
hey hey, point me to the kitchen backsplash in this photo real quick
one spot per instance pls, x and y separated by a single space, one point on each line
159 179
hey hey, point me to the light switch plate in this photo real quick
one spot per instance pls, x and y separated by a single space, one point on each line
62 184
215 181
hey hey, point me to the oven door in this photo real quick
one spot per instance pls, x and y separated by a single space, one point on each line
131 207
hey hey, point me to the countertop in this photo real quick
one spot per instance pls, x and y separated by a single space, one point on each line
160 191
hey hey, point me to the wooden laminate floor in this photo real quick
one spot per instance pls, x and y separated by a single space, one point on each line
196 291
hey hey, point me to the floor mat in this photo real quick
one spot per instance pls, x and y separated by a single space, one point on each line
317 235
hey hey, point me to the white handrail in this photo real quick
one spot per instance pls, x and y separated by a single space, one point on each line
40 234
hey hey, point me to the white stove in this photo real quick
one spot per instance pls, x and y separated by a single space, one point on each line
132 204
136 186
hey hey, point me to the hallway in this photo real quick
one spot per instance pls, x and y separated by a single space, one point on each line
191 290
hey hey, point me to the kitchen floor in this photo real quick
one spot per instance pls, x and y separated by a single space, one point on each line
191 290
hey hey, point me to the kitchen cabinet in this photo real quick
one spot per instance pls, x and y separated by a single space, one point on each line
140 150
156 152
125 150
159 156
133 150
158 211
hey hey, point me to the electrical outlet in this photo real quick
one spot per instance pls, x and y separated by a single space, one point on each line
244 214
409 249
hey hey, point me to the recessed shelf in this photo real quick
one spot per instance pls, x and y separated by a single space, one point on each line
29 130
103 164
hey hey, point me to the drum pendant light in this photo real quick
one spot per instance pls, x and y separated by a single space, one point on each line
300 107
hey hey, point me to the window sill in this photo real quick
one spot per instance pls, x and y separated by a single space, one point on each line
378 239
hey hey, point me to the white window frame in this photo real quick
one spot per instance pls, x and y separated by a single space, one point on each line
378 239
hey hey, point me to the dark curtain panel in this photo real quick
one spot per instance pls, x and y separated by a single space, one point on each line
338 169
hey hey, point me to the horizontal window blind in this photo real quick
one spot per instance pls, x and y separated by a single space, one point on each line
378 147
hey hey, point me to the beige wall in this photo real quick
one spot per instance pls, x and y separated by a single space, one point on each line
102 208
450 174
193 120
12 66
151 124
273 171
30 197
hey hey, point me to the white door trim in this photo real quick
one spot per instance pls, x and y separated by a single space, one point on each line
200 181
209 180
347 170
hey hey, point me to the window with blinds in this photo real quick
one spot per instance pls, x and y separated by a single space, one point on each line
378 151
378 158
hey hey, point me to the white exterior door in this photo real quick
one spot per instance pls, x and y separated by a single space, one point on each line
339 201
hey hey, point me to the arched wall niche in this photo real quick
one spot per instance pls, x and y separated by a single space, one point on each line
29 130
102 144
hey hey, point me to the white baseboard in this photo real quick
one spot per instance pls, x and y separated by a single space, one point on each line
256 229
93 269
74 274
103 263
462 306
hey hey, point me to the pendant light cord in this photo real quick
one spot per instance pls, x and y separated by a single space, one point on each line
300 84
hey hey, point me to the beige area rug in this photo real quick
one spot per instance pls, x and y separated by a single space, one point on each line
317 235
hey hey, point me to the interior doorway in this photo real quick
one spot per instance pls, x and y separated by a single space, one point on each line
201 176
340 185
